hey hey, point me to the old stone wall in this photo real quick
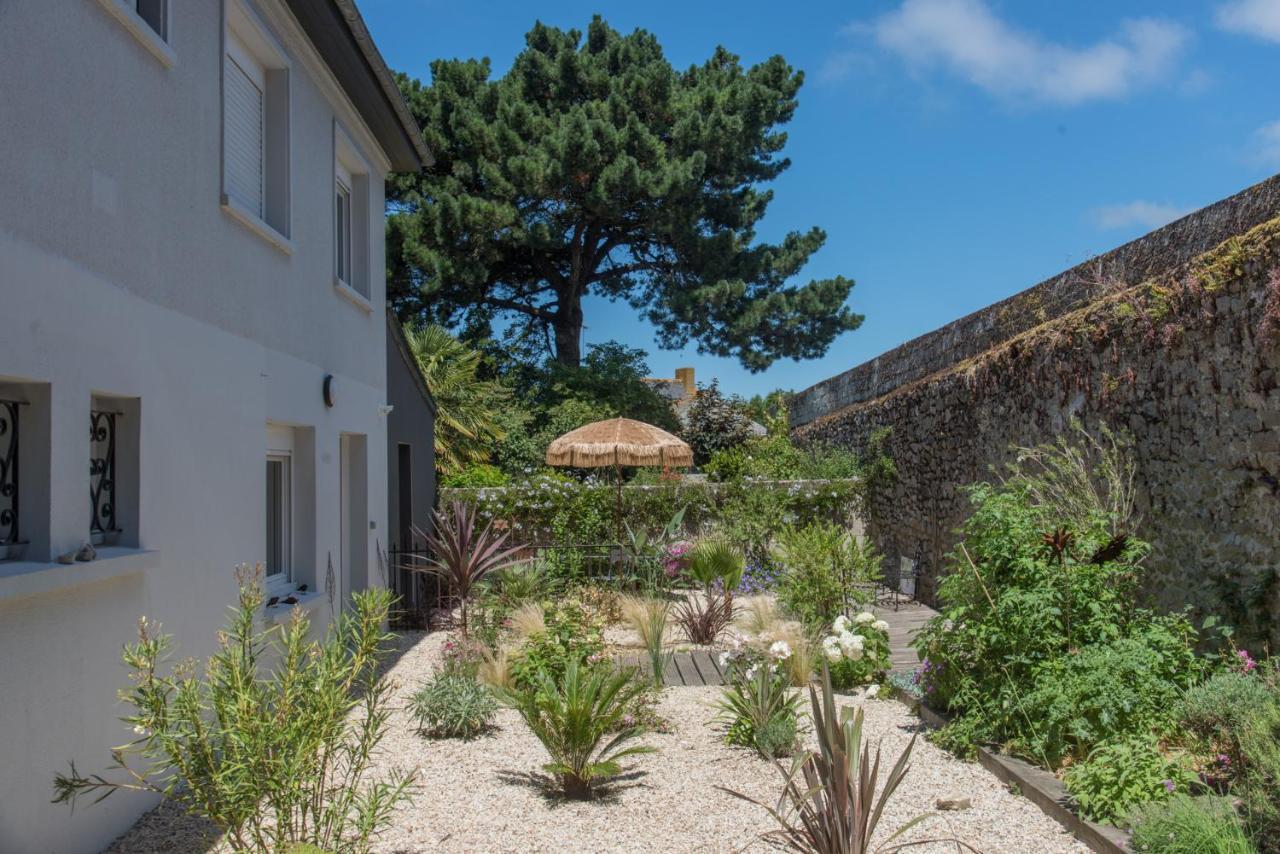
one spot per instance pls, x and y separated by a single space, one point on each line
1187 361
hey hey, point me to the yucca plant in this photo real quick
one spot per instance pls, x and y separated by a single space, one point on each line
579 720
462 554
829 802
274 758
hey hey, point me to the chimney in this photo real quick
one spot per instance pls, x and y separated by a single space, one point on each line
685 375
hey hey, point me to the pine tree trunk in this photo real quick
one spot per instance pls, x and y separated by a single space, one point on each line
568 332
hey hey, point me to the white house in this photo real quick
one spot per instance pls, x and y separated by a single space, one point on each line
193 361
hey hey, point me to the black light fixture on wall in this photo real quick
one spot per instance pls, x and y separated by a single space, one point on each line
328 390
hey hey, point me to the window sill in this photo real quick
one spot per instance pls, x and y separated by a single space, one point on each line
353 296
308 603
142 31
21 579
256 224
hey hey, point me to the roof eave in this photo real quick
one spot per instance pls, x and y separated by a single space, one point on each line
339 34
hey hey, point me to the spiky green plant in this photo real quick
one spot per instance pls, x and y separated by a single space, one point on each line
649 619
716 560
760 711
463 554
829 802
579 720
454 706
274 758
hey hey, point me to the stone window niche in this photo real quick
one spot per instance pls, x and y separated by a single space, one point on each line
114 454
24 470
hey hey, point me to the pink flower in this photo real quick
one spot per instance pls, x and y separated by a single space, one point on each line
1247 664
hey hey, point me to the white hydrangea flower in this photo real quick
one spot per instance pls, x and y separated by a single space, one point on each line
841 624
854 654
751 672
724 659
864 617
780 650
881 625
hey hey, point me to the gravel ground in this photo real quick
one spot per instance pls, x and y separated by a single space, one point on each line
486 795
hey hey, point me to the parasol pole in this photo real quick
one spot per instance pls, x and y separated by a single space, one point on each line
617 516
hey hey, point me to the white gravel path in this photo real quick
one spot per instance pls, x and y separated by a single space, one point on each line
483 795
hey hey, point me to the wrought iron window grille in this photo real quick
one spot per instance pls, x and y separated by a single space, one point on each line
102 471
9 482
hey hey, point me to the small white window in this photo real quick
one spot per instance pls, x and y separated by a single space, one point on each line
351 220
342 222
148 21
279 530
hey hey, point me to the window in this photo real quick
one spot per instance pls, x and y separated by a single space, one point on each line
255 127
114 453
148 21
351 221
342 220
10 485
156 15
279 533
244 137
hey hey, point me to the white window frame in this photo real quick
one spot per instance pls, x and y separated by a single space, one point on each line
250 45
280 450
343 226
283 523
158 44
351 171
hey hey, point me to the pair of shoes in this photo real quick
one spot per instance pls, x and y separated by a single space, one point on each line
87 553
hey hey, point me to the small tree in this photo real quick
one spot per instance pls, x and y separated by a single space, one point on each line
714 422
274 759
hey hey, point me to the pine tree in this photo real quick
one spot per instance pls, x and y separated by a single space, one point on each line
593 167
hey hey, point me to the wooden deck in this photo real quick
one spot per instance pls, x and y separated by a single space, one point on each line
693 668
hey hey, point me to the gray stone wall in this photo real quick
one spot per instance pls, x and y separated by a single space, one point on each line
1188 362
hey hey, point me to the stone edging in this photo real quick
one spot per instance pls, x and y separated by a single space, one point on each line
1037 785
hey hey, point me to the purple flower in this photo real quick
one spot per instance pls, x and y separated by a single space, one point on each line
1170 786
1247 664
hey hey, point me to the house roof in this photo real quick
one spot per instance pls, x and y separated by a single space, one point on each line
339 34
395 334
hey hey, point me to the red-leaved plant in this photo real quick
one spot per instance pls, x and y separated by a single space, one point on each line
463 555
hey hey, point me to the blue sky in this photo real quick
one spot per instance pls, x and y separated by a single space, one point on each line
955 151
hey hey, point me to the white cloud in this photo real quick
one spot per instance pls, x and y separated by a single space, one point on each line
1148 215
841 65
1260 18
1266 144
967 38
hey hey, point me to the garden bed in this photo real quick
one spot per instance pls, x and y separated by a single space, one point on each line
484 795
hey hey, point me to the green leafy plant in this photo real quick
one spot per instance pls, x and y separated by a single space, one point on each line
758 707
273 756
579 720
826 571
451 706
474 476
832 799
462 554
1118 776
519 583
715 562
571 634
1187 825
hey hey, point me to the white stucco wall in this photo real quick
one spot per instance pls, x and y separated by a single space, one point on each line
120 274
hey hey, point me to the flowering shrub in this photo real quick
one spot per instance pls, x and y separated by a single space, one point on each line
759 576
857 650
675 559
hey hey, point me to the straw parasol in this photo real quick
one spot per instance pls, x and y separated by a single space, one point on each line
618 442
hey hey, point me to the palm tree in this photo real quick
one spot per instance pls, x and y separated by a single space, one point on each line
466 425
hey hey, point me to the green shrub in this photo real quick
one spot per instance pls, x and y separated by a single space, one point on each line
1186 825
573 635
452 706
758 707
474 476
1218 711
273 756
826 571
1118 776
1039 643
574 714
715 561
